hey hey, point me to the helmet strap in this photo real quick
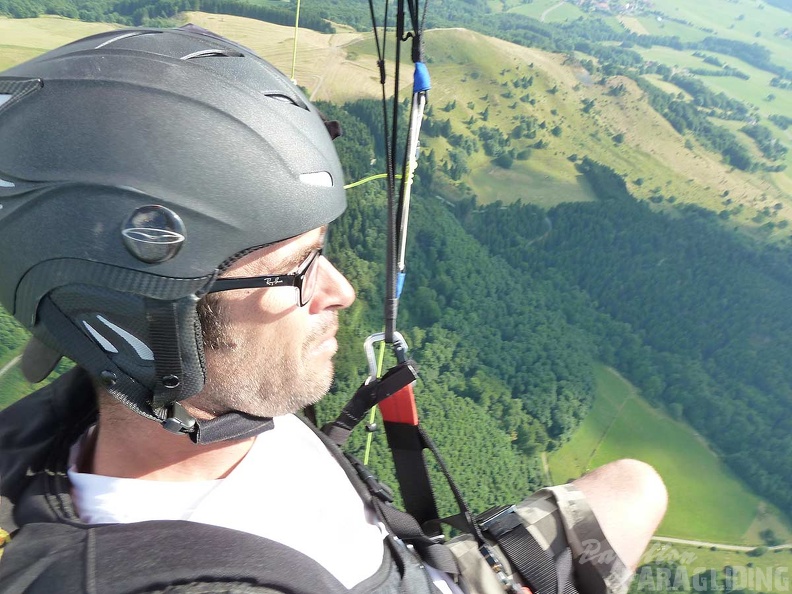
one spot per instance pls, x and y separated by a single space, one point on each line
230 426
175 340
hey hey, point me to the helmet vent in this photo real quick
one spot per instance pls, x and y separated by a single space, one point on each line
214 53
283 98
125 36
322 179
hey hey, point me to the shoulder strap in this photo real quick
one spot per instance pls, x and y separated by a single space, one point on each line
380 497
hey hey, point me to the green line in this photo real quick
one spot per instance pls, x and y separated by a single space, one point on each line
373 414
368 179
294 47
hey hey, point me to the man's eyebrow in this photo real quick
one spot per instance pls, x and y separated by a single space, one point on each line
290 262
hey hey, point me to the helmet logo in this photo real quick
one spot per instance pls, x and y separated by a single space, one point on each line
153 234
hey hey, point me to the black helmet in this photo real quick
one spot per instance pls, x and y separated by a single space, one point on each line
134 165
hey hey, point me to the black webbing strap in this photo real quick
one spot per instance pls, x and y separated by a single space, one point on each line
163 334
399 523
536 567
368 395
407 448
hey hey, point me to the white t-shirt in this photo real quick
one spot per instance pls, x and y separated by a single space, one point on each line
302 497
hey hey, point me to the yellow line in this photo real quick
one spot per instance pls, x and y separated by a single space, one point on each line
368 179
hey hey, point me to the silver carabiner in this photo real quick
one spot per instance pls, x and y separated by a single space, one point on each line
368 345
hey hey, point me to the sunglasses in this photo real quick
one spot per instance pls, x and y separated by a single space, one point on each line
304 280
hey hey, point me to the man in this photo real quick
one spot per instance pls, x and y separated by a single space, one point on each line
165 197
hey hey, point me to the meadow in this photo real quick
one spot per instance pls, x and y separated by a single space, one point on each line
767 573
477 72
740 20
552 10
702 491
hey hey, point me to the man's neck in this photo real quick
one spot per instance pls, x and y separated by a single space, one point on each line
130 446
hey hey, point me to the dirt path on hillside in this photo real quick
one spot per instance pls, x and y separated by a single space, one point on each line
718 545
546 12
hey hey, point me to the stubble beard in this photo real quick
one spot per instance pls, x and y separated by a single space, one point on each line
286 386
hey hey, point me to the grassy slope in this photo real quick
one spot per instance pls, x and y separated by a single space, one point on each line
22 39
652 150
702 490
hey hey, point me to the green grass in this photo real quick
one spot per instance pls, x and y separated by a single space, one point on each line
768 573
723 18
753 92
558 14
13 387
703 492
670 29
574 458
527 182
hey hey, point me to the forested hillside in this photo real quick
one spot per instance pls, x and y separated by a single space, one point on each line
692 313
697 318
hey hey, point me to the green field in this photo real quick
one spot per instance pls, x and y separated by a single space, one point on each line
753 92
722 18
551 9
526 181
767 573
702 491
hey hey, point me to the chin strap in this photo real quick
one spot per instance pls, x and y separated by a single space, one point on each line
227 427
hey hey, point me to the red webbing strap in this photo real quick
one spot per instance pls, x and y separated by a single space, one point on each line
400 407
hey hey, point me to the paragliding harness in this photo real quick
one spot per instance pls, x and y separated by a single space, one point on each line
513 556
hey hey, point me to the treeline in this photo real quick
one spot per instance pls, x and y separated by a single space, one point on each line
160 12
684 117
767 143
782 121
727 107
687 311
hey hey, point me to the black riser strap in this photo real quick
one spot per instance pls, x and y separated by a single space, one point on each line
407 448
367 396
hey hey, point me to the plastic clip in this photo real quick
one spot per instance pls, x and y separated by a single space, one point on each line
178 420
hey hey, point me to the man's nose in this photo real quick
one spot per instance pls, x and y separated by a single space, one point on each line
333 290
